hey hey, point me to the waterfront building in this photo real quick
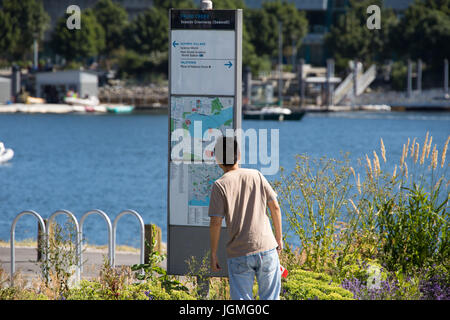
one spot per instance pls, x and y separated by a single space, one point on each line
5 90
53 86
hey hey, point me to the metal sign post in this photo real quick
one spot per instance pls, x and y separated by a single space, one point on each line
205 97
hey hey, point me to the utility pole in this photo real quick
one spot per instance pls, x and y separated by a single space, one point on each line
301 82
330 74
446 77
419 76
409 80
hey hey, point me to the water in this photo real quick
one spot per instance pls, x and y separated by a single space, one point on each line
115 162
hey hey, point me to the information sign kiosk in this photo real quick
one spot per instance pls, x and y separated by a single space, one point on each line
205 75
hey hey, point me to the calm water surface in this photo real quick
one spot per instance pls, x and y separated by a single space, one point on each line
115 162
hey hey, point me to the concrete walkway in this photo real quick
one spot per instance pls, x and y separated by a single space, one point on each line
25 261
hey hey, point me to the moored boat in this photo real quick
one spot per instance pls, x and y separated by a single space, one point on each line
5 154
119 108
272 113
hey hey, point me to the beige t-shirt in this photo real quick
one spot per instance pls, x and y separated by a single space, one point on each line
241 197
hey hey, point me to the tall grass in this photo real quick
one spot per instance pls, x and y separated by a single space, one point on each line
342 215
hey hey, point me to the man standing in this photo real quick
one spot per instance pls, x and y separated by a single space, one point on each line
241 196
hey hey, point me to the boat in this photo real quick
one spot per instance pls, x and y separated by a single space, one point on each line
272 113
90 101
5 154
375 107
119 108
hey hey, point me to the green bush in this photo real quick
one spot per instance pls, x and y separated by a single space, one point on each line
20 294
307 285
93 290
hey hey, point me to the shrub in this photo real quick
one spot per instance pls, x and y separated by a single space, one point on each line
306 285
93 290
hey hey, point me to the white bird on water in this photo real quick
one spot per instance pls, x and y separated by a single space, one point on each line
5 154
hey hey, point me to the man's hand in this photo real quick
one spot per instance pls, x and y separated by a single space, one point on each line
215 263
280 246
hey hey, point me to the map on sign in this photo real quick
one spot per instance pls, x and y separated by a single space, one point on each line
199 116
190 192
201 179
191 182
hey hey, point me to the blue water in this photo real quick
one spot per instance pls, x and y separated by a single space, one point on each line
115 162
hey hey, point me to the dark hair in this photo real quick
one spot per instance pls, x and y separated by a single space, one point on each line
226 150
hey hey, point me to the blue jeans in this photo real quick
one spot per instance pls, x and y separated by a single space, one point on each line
242 271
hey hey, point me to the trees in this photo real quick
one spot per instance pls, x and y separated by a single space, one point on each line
114 19
294 27
350 38
147 33
80 44
6 34
424 32
21 22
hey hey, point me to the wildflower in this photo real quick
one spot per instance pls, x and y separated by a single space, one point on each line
429 146
376 163
416 155
406 149
434 157
424 149
412 146
353 172
369 165
149 295
354 206
444 152
402 160
358 185
383 151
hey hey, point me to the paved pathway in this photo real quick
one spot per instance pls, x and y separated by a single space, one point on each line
25 261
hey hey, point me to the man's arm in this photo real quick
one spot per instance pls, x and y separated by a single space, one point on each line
215 224
276 219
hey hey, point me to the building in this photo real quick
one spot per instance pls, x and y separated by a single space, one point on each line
5 90
53 86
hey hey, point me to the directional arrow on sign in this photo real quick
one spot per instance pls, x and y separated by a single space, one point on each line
229 64
175 43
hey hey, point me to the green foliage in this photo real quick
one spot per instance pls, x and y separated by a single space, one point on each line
414 230
350 38
399 221
147 33
262 25
18 294
93 290
399 75
153 272
306 285
313 198
424 32
114 19
61 260
80 44
21 22
6 34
